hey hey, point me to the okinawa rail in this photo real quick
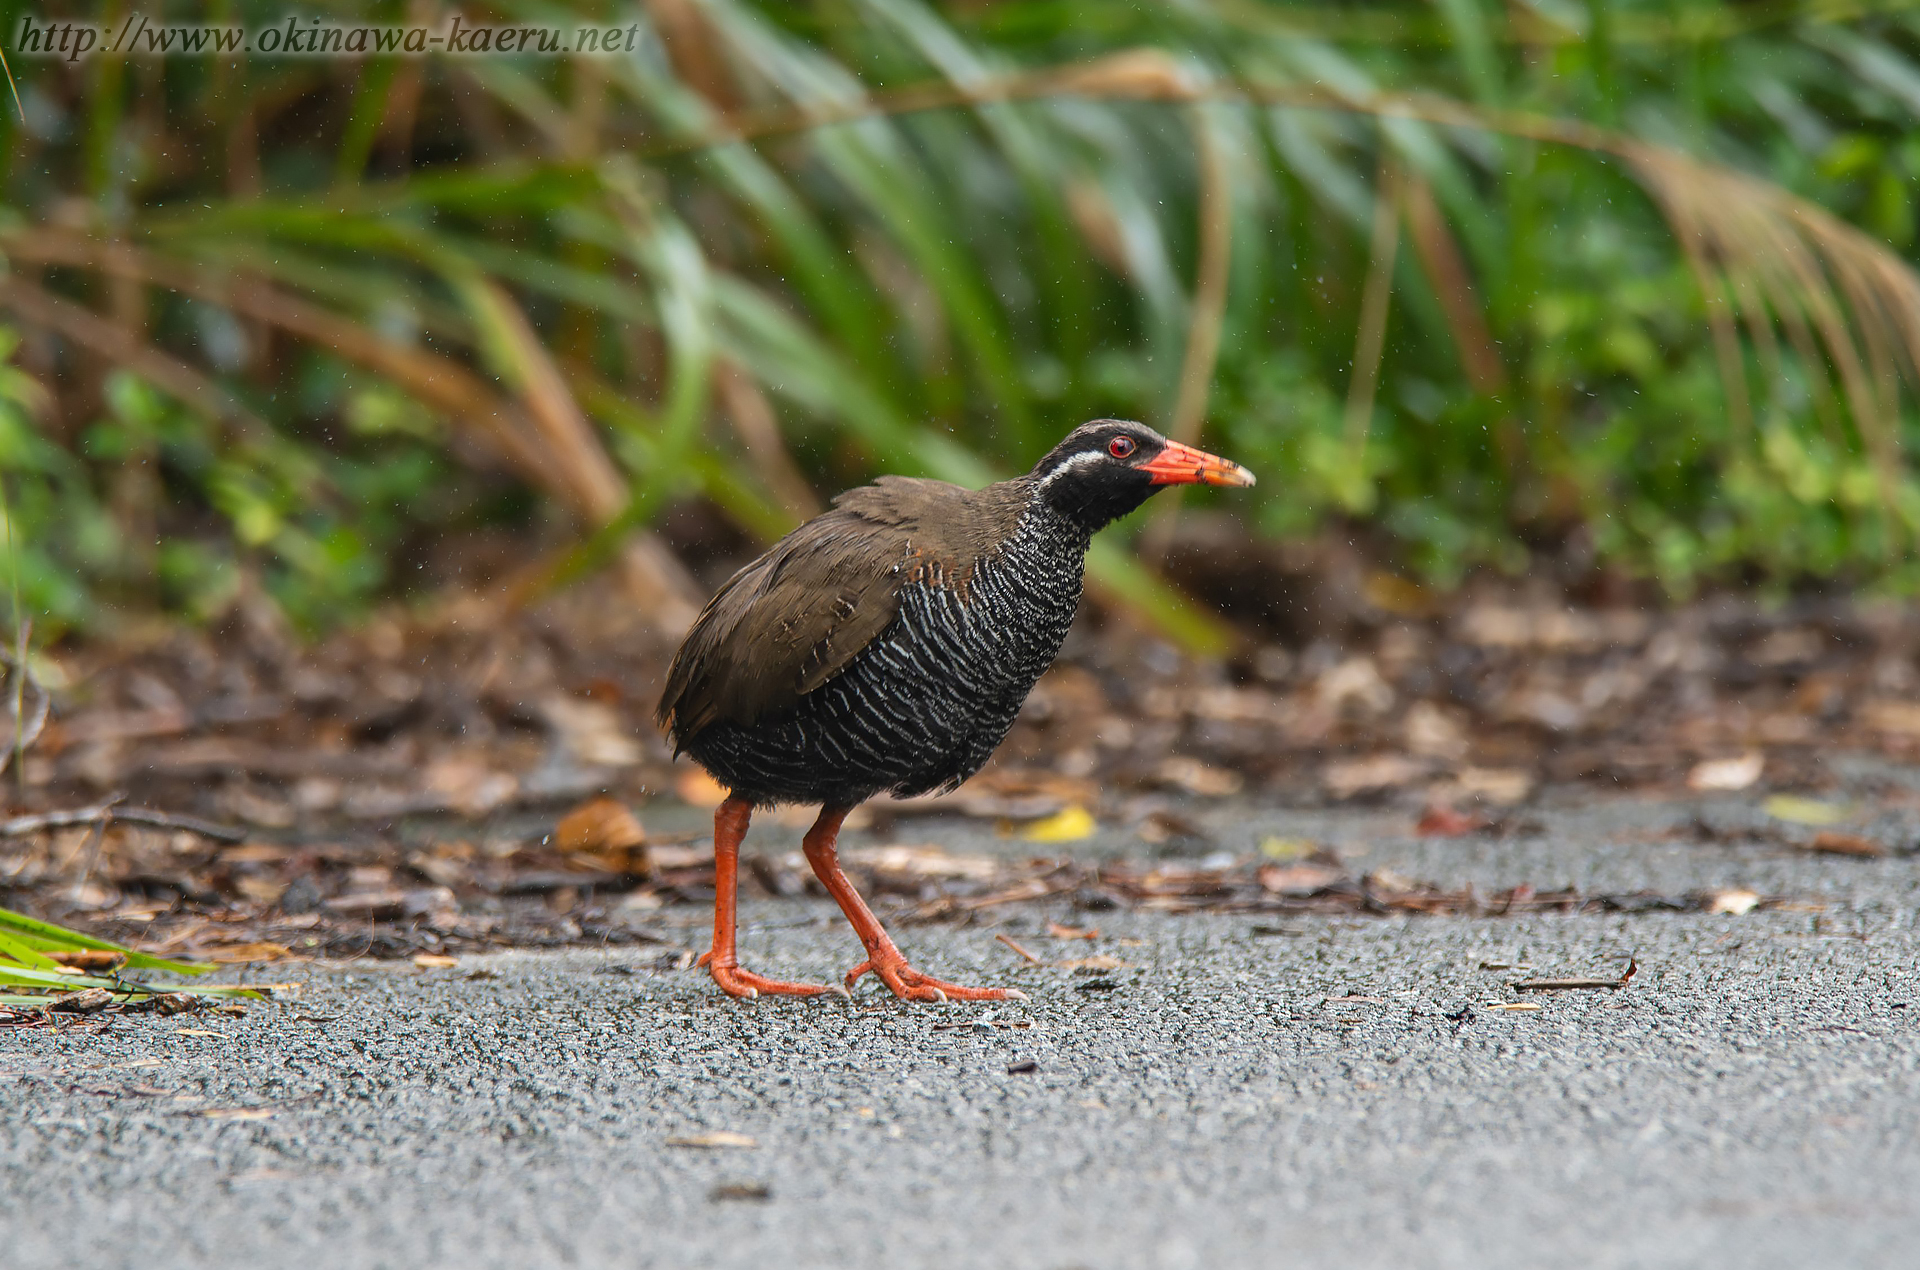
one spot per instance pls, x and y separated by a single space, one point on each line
885 646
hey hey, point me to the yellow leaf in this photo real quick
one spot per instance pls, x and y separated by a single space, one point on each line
1069 824
434 961
1806 811
1285 848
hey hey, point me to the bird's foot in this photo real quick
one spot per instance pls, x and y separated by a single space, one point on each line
736 982
910 985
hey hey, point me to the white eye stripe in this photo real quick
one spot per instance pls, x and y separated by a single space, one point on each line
1079 460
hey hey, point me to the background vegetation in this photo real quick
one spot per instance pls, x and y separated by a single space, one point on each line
1621 281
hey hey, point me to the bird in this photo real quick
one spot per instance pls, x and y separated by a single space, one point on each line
885 646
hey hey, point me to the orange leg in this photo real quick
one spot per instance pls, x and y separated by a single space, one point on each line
883 958
729 826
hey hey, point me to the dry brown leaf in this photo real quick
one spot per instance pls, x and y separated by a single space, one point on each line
86 1001
1199 778
1441 821
1897 718
607 832
1834 842
1299 879
239 954
1503 785
1433 731
1058 931
468 786
592 731
1348 777
435 961
95 960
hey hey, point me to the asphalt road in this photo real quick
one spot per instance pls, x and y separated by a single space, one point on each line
1341 1093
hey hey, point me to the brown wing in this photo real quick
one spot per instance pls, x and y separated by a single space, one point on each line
794 618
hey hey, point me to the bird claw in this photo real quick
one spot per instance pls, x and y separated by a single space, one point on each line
748 986
910 985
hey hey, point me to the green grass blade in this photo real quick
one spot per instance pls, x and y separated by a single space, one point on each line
25 954
51 938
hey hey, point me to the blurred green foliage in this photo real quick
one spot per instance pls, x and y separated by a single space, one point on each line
669 245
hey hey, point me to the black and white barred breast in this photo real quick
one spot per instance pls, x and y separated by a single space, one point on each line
927 702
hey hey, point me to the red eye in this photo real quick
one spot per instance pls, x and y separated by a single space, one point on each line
1120 447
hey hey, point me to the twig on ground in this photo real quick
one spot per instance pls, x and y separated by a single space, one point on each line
1008 941
106 813
1556 985
24 734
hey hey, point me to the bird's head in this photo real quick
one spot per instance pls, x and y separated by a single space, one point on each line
1105 469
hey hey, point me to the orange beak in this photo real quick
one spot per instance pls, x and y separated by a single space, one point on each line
1183 465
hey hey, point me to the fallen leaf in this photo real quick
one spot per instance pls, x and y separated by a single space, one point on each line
255 853
1355 680
1196 777
740 1191
698 789
1901 718
1726 774
715 1139
1069 824
1434 731
1806 811
1391 883
1103 961
1442 821
923 861
93 960
591 731
193 1031
240 954
435 961
1348 777
1400 596
606 830
1298 879
367 903
1833 842
468 786
1058 931
1503 785
1515 1006
86 1001
1287 848
1736 902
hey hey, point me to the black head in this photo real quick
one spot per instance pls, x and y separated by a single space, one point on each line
1106 468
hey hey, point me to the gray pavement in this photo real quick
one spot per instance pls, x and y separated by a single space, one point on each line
1343 1093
